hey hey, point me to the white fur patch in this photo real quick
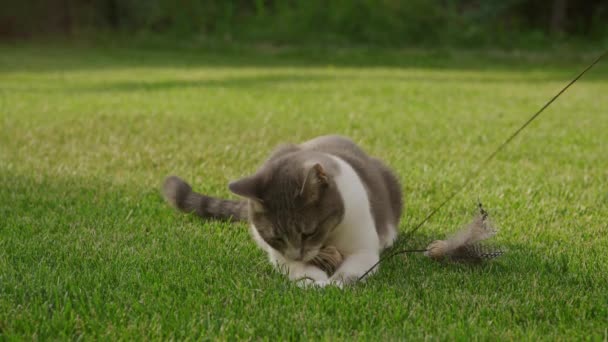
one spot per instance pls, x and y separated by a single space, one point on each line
357 231
356 236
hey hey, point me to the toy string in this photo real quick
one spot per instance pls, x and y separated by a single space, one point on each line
475 173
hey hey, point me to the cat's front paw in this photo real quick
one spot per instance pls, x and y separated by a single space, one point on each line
302 271
345 278
337 283
310 283
306 283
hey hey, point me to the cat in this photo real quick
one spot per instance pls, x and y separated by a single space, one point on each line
324 192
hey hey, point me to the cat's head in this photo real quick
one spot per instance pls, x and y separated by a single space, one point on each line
294 205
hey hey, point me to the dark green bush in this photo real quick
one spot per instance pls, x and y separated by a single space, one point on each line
382 22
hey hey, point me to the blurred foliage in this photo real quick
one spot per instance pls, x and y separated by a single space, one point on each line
383 22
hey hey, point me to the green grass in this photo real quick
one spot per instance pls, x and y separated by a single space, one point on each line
89 249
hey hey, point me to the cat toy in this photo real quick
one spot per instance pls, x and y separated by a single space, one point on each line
465 245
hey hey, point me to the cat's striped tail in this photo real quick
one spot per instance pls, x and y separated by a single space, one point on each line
180 195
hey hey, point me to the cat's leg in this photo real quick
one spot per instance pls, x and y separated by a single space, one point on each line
303 273
354 266
306 275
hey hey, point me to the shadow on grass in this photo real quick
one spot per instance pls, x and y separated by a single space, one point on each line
246 82
58 57
277 80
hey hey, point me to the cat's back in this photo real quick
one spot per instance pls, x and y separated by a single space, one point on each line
335 144
383 187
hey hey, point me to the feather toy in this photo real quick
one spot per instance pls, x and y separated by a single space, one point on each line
464 246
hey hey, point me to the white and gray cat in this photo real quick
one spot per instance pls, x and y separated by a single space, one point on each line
324 192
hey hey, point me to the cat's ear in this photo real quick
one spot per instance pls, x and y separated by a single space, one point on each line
315 182
248 187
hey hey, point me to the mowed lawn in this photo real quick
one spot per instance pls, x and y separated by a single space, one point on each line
88 248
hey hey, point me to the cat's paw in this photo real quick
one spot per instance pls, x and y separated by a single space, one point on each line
344 278
337 283
308 276
302 271
305 283
308 283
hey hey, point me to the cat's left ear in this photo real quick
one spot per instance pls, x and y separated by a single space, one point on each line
315 182
248 187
